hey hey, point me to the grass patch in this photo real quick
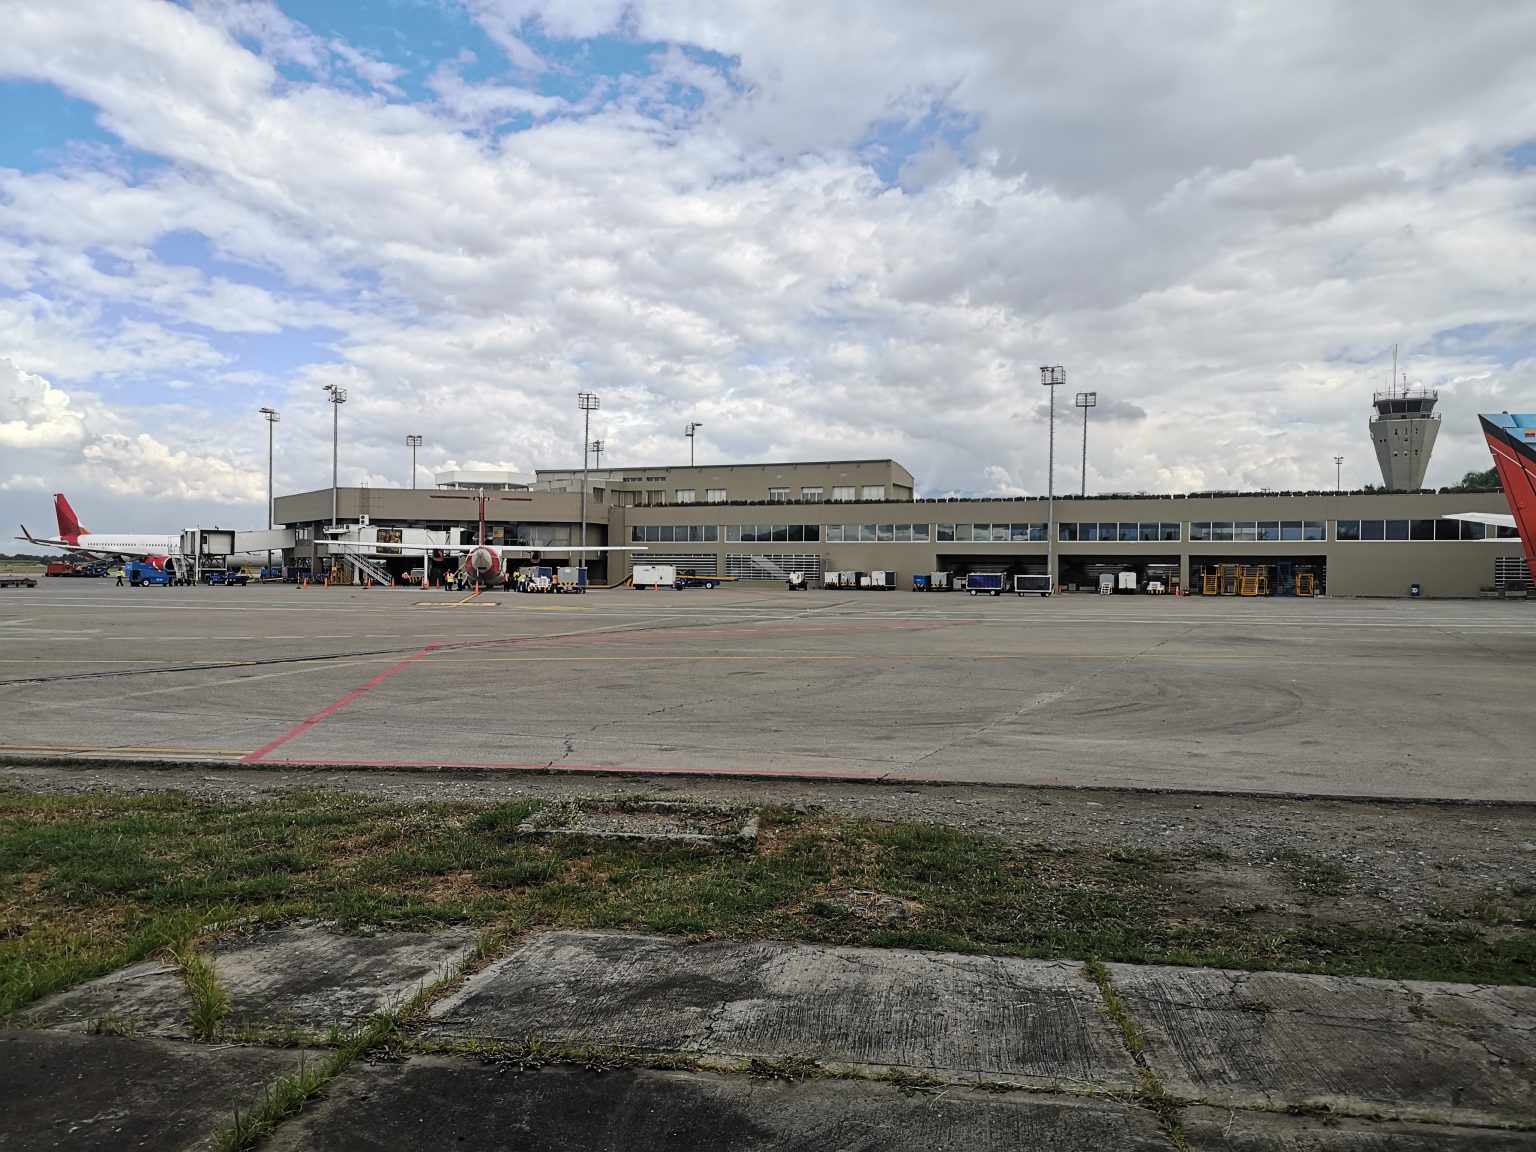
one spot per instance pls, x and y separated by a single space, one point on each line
97 882
1313 877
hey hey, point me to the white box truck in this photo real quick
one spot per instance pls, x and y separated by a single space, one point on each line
655 576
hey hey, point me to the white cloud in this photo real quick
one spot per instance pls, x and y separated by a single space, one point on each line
1218 218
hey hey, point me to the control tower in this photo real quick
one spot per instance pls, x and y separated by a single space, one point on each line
1404 430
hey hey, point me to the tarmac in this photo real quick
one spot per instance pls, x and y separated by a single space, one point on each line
1406 699
572 1040
591 1040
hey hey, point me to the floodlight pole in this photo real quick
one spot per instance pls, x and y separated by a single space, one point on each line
597 450
415 443
1051 377
273 416
1338 474
689 432
589 403
338 397
1085 401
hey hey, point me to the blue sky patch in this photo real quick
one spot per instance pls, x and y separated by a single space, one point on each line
40 121
1522 156
890 144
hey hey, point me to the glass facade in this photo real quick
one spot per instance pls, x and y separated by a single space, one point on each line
1142 532
1351 530
878 534
1257 531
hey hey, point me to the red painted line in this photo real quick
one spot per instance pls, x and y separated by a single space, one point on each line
614 769
332 709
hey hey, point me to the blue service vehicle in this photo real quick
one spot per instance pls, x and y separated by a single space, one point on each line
226 577
141 575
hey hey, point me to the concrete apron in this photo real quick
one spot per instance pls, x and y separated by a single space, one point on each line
1447 1066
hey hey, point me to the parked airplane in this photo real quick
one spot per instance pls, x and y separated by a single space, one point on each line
78 540
484 564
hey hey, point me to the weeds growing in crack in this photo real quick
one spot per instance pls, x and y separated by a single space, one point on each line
210 1003
111 1024
1150 1093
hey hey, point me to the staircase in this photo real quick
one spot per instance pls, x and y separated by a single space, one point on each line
364 570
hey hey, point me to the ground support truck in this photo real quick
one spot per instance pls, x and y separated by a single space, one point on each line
16 580
142 575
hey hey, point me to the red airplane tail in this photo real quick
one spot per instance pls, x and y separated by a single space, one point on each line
70 527
1512 440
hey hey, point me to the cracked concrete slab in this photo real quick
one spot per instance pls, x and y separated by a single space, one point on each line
301 974
1453 1052
434 1102
149 996
1028 1021
82 1093
1226 1130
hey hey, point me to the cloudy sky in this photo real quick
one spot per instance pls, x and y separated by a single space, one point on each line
820 230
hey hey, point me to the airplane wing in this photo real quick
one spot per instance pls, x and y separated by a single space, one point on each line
1497 519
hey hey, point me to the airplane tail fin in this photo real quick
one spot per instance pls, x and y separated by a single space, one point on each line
70 527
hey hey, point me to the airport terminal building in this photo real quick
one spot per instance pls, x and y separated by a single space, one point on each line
765 521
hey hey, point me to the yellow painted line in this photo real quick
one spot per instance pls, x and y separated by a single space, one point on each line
137 751
457 604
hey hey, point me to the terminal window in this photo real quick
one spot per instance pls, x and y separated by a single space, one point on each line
772 533
841 492
1091 533
714 495
674 533
810 495
1256 531
877 533
1352 530
778 495
874 492
685 495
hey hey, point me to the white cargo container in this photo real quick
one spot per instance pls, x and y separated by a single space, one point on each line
1032 584
655 576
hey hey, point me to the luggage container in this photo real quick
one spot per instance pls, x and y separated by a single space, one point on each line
1129 582
1031 584
883 581
940 582
1106 584
920 582
989 582
570 578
